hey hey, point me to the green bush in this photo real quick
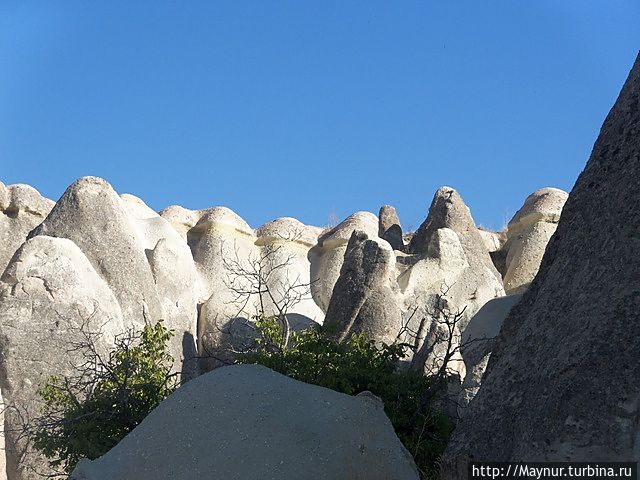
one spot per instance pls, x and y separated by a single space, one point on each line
86 414
355 366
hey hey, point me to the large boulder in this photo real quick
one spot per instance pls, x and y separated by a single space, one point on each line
50 298
248 422
91 214
327 256
563 382
22 209
365 296
528 234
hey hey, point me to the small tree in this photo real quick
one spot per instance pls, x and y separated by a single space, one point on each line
84 415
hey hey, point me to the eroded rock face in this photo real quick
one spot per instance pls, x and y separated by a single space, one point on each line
327 256
477 343
453 260
49 293
22 209
365 296
266 426
565 369
528 235
90 213
389 227
175 278
284 244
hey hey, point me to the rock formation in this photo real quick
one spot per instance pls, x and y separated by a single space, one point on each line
562 381
50 296
91 214
365 295
389 227
207 274
22 209
528 234
477 341
452 258
248 422
327 256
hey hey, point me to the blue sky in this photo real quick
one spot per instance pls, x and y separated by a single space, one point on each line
310 109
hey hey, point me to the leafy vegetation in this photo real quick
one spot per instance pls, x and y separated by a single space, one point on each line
86 414
355 366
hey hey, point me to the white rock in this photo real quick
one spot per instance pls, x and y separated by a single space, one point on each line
47 293
248 422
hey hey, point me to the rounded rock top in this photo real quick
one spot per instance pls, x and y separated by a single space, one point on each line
366 222
546 204
290 229
225 216
24 198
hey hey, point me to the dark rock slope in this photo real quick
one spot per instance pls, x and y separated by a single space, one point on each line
563 382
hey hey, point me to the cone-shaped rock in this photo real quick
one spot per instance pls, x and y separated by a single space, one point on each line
90 213
563 381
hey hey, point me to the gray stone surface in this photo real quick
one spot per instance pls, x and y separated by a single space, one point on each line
175 277
365 296
448 210
91 214
22 209
453 258
389 227
477 342
247 422
47 293
562 382
528 234
327 256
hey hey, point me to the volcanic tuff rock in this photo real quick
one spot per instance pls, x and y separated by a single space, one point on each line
49 295
91 214
477 341
327 256
22 208
198 270
248 422
365 295
389 227
528 234
473 281
565 369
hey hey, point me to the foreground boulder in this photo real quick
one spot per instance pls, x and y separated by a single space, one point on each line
248 422
563 381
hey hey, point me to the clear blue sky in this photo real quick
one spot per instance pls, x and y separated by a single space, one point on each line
304 109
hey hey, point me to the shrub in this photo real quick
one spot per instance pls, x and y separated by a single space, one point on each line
86 414
352 367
